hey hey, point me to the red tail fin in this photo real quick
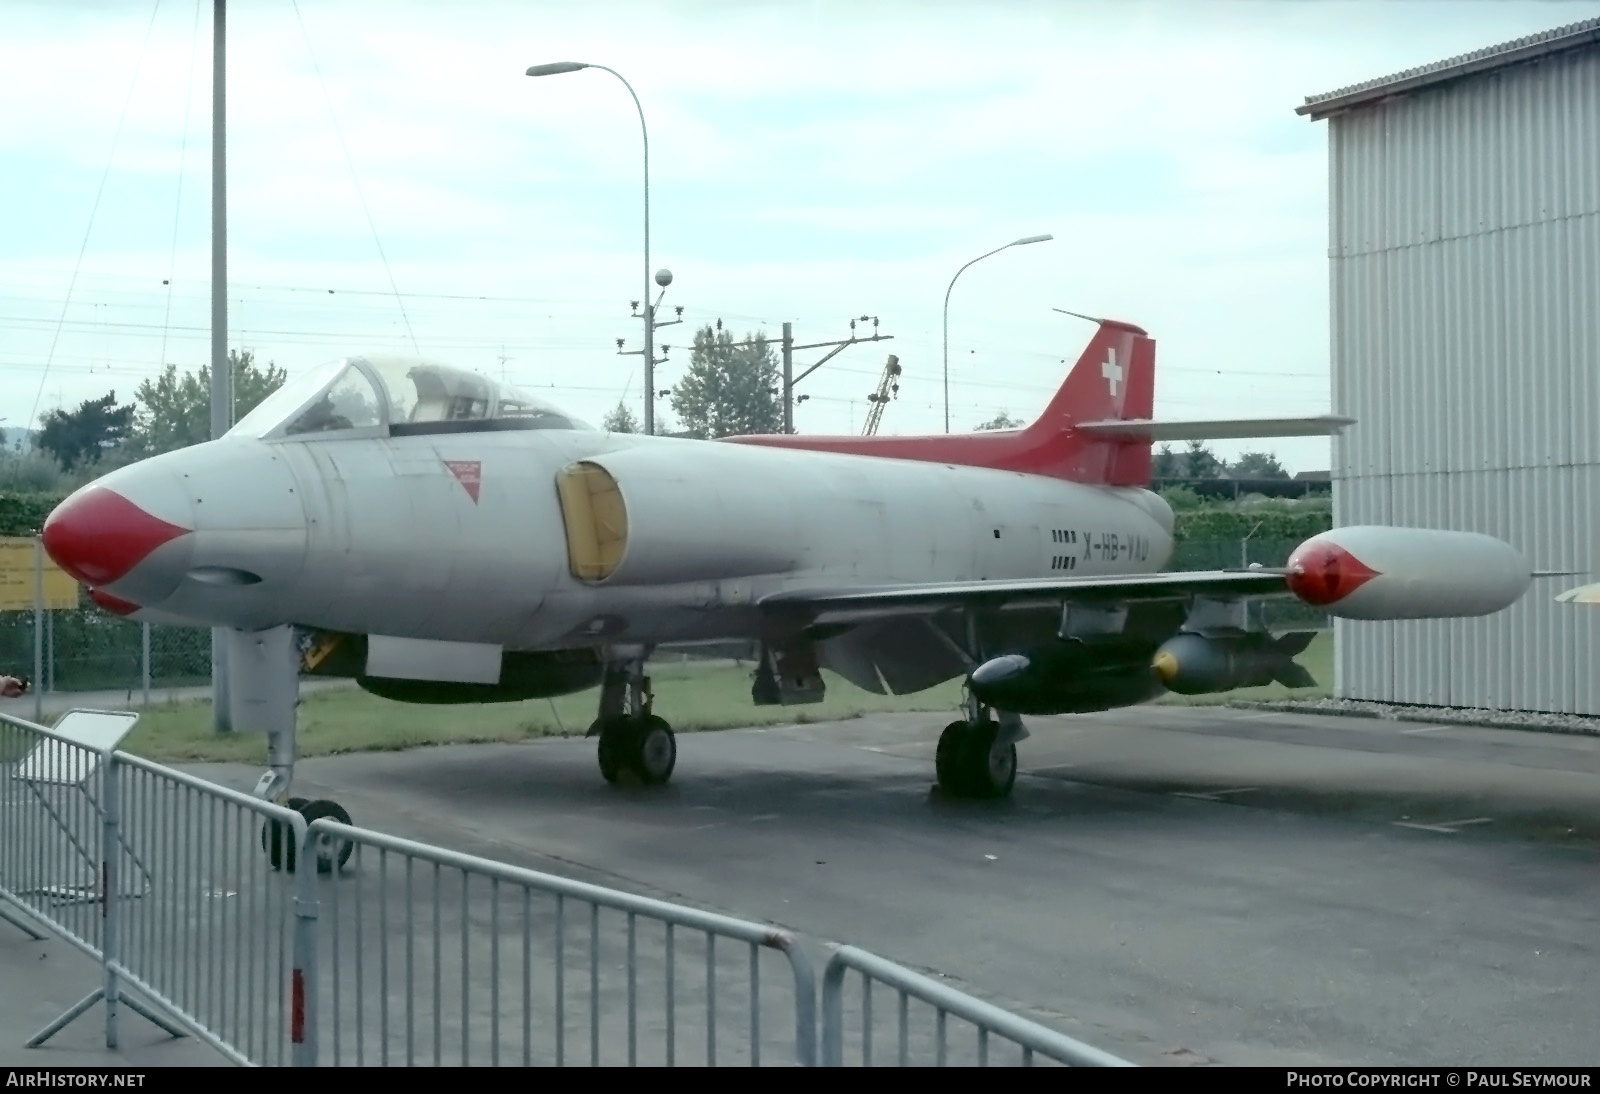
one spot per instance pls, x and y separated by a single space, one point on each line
1113 380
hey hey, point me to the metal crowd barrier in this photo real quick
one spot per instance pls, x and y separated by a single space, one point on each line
530 956
1030 1037
210 941
183 893
63 860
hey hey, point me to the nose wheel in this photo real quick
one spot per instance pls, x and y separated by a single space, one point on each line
277 838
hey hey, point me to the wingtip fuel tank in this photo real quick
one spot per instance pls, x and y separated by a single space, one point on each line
1376 572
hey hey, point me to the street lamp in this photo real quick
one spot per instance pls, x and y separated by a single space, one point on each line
556 69
1014 243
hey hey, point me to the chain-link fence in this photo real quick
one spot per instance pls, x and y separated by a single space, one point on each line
89 650
1232 554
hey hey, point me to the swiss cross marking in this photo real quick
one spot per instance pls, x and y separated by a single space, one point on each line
1112 371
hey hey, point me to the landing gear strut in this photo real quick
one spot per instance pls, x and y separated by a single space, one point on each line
634 743
264 694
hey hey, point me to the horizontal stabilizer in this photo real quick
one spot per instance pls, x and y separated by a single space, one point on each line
1144 429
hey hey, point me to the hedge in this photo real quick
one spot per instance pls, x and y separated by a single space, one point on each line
24 514
1282 520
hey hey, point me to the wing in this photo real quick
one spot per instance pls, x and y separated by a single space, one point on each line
823 606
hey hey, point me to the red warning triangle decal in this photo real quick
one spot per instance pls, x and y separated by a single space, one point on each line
469 473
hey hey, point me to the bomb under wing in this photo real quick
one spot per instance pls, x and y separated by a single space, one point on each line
1198 664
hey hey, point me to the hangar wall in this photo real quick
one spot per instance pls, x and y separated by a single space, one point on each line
1465 286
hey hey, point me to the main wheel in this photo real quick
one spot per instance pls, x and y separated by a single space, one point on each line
644 748
655 751
972 763
991 767
949 763
616 745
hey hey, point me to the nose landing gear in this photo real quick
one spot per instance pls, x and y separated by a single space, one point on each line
264 687
277 838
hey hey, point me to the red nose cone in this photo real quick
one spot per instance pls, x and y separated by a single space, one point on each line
99 536
1325 573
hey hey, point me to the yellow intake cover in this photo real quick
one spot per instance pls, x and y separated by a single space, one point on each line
596 520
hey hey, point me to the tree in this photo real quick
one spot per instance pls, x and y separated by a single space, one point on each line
1257 465
175 411
1001 420
1199 462
620 420
81 437
1166 464
1181 498
730 388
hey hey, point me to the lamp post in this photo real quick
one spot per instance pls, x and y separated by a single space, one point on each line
980 258
555 69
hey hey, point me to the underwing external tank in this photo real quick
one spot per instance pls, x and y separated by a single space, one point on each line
1069 677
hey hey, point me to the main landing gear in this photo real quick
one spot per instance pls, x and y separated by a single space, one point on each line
977 757
635 745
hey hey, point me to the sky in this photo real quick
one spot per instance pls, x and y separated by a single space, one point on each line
396 182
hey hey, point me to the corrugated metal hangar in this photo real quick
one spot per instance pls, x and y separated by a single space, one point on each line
1465 249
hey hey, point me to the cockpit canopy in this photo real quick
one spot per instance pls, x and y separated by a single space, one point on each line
395 396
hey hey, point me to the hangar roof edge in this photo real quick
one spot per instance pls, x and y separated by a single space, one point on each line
1529 48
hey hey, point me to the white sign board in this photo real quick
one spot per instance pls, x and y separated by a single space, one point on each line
91 732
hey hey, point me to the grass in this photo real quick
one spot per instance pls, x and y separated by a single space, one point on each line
693 696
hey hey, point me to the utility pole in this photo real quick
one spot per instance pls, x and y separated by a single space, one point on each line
790 380
663 278
221 374
503 359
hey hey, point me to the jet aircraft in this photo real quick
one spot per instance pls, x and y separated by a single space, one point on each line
442 538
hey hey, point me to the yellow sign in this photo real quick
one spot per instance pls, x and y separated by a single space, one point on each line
20 560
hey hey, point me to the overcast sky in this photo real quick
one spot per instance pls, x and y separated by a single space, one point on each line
810 162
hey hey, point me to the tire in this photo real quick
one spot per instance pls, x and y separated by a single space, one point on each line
327 810
616 740
277 840
990 768
949 761
653 752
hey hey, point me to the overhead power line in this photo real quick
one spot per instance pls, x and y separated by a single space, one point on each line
360 194
116 137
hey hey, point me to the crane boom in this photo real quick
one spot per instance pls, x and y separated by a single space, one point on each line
888 388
